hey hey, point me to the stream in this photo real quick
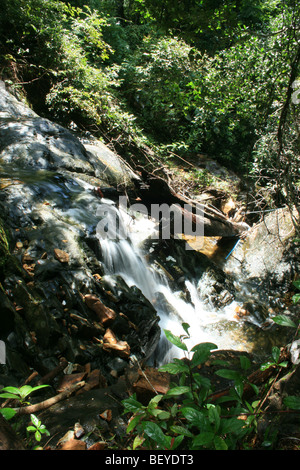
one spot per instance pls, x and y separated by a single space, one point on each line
126 257
48 202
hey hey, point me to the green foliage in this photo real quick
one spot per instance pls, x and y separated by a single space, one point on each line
21 393
284 320
37 428
296 297
119 70
275 360
184 417
209 25
188 417
154 82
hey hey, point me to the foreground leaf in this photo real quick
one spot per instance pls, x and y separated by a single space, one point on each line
8 413
175 340
154 432
284 320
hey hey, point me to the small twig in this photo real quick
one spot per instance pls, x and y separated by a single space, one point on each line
50 401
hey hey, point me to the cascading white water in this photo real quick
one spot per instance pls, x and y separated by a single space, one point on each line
122 256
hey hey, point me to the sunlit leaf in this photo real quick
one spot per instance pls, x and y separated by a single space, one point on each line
175 340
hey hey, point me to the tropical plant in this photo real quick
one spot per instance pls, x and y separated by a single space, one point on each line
37 428
21 394
189 416
185 417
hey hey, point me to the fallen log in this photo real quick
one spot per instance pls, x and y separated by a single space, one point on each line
154 190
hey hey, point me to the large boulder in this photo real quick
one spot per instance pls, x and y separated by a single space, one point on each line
28 141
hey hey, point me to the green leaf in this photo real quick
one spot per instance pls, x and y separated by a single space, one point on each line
283 320
214 416
155 400
255 388
275 353
9 395
14 390
245 362
267 365
133 423
195 417
232 425
25 391
177 441
186 327
297 284
201 353
229 374
292 402
177 391
31 428
204 439
163 415
8 413
204 347
239 388
132 405
35 421
38 387
154 432
175 340
219 443
138 441
181 430
296 298
45 431
174 368
201 381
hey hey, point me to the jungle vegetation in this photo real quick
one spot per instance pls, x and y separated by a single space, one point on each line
166 81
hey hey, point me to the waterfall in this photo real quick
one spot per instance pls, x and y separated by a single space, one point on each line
119 237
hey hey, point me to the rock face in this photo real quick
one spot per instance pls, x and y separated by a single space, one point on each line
267 261
265 254
54 302
28 141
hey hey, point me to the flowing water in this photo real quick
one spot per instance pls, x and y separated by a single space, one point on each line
69 200
125 257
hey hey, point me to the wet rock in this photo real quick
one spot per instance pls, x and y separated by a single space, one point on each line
264 265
